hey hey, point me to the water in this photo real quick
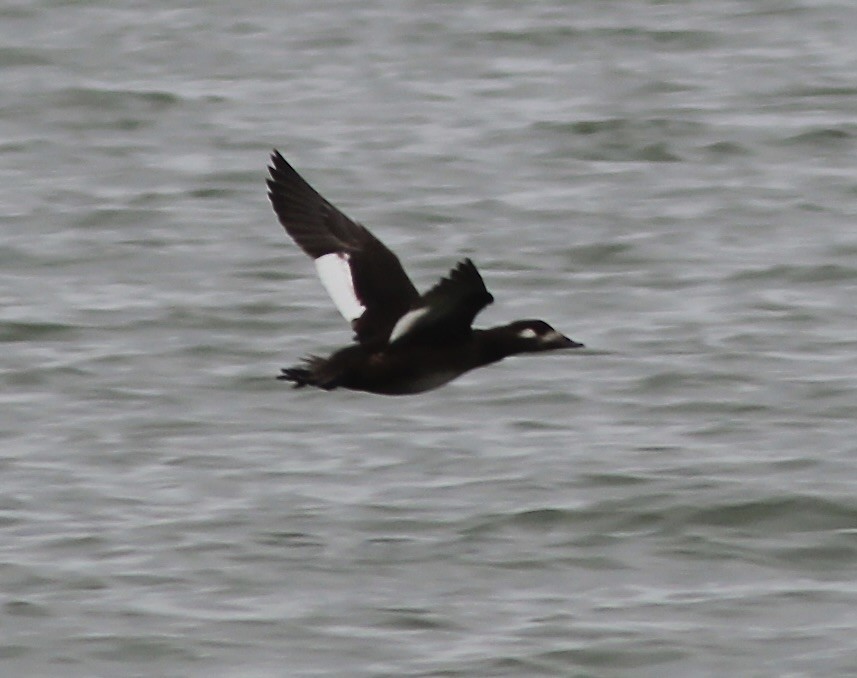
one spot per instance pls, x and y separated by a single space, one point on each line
673 184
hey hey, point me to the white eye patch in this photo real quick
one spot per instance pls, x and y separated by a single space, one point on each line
527 333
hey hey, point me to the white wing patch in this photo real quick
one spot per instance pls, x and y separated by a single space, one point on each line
335 273
407 322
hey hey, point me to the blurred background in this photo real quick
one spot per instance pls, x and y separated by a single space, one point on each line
671 183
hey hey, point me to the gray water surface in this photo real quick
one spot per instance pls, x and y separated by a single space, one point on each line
673 184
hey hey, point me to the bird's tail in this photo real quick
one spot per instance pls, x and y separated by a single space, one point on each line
299 376
307 374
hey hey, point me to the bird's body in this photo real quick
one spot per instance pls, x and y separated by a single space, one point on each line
405 342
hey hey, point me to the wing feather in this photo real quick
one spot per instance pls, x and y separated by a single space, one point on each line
365 279
446 312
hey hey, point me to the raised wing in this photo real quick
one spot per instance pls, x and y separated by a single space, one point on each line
365 279
446 312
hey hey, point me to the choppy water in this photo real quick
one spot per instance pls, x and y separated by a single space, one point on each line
673 184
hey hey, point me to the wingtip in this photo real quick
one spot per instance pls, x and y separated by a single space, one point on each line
277 160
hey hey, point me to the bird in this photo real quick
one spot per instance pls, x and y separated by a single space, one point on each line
404 342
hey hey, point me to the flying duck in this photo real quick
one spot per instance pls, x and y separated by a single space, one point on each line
404 342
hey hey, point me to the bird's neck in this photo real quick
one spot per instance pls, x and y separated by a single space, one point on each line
495 344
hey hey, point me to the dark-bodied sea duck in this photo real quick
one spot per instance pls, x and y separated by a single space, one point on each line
404 342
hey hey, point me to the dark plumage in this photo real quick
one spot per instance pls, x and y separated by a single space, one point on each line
405 342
